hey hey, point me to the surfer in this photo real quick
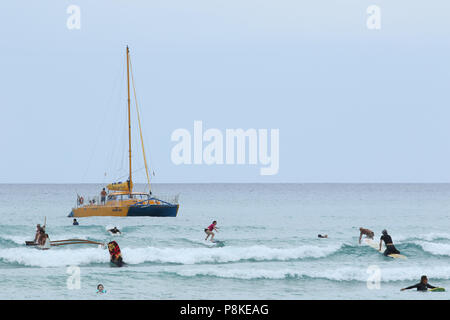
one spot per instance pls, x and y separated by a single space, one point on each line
116 255
390 248
368 233
75 222
423 285
322 236
210 229
115 230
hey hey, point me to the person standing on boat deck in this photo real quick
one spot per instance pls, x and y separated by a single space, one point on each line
210 229
103 196
390 248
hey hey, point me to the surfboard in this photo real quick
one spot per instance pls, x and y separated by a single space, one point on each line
214 243
376 246
437 290
209 243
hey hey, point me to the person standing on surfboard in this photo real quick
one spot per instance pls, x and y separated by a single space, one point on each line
210 229
390 248
423 285
368 233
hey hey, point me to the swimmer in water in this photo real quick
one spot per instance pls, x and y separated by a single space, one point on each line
101 289
368 233
47 242
115 230
423 285
390 248
322 236
210 229
38 233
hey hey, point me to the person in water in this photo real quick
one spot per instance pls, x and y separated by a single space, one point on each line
75 222
368 233
46 242
116 255
390 248
38 233
101 289
210 229
322 236
41 239
423 285
114 230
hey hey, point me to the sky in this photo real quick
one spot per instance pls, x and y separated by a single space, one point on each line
351 104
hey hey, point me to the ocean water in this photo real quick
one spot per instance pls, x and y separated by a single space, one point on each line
269 246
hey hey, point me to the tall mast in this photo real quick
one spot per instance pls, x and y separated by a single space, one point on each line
130 185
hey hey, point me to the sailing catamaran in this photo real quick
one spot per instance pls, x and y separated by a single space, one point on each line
121 200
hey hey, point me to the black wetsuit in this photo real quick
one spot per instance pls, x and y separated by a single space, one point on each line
390 249
421 286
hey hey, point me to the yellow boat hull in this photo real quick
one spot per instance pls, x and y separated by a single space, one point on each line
132 210
101 211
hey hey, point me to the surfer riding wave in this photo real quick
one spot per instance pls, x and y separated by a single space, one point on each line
210 229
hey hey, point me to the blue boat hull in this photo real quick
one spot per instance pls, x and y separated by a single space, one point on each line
153 211
140 210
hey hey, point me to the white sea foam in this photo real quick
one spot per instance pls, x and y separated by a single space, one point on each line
442 249
54 257
61 257
225 254
335 274
431 236
16 239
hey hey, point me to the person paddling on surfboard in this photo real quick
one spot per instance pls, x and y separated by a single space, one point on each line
423 285
210 229
390 248
115 230
368 233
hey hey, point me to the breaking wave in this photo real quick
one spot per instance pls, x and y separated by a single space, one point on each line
62 257
336 274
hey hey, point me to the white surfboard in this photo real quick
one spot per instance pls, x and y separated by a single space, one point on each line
214 243
209 243
376 246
